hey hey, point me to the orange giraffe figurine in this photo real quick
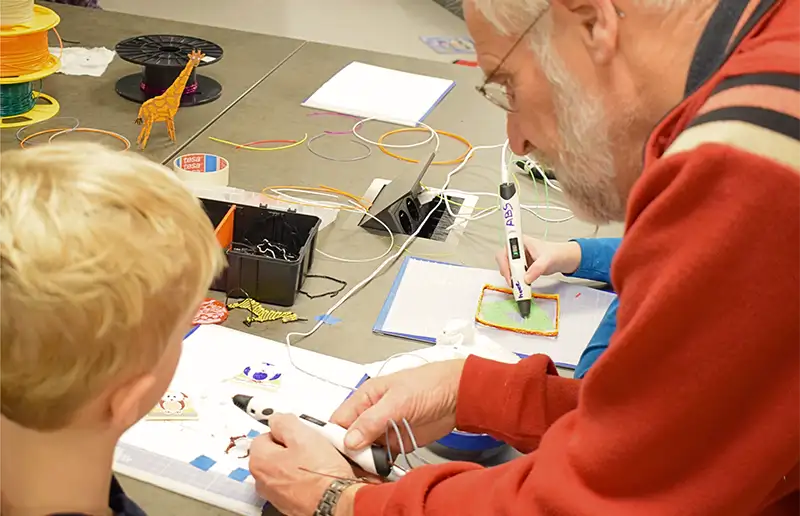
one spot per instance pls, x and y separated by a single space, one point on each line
163 107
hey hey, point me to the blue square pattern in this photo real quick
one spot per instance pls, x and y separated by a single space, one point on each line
252 434
203 462
239 474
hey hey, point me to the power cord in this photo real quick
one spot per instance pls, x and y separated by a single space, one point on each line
532 209
352 205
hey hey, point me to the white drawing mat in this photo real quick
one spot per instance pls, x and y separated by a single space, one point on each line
188 457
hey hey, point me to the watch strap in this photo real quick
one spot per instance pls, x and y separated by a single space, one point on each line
327 504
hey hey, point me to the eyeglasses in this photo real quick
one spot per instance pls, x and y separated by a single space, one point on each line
498 94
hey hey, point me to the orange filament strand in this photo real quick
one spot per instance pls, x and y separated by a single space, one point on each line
21 55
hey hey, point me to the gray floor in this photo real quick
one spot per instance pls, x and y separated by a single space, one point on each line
390 26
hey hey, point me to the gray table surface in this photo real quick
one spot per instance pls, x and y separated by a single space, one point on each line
247 58
273 110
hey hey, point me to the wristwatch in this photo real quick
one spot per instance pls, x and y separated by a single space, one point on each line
327 505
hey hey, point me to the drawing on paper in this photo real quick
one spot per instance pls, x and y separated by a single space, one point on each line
236 442
174 405
498 309
264 375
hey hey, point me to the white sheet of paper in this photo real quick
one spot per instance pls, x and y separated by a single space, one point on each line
159 452
369 91
432 293
84 61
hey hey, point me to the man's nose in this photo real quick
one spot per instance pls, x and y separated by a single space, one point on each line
516 140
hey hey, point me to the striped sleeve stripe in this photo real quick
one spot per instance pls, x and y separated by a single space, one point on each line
756 113
781 80
769 100
751 138
766 98
776 121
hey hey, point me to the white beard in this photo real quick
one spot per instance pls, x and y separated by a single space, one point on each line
585 165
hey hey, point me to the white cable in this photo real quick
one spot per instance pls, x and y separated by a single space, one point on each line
390 259
400 443
281 193
393 424
398 355
388 447
325 204
433 135
528 162
476 194
505 177
443 195
532 210
471 218
414 443
532 162
504 174
364 260
457 191
550 183
15 12
462 193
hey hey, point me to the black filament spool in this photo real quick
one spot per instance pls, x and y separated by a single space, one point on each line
162 58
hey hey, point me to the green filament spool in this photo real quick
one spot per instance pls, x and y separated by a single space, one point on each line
16 99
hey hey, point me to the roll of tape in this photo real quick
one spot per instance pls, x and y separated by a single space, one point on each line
202 169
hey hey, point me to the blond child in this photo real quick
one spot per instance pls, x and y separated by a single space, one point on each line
104 257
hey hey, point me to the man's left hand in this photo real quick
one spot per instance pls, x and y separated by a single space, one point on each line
278 460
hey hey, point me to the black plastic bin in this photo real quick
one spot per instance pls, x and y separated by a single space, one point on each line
267 279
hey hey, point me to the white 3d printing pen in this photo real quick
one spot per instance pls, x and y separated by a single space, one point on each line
512 222
373 459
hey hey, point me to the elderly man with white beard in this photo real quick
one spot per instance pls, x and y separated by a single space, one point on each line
679 117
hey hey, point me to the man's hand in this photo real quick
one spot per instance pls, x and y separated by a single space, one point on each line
425 396
276 459
543 258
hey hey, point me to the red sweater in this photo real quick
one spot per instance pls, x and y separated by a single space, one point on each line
695 407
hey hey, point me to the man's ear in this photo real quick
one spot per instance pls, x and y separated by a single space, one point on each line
131 401
598 22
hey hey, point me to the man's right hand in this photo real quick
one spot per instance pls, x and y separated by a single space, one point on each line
543 258
425 396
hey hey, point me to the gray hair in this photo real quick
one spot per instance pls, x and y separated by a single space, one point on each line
512 17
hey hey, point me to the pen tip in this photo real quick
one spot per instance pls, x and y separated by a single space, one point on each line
241 401
524 308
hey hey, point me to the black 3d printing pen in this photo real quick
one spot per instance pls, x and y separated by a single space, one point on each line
374 459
